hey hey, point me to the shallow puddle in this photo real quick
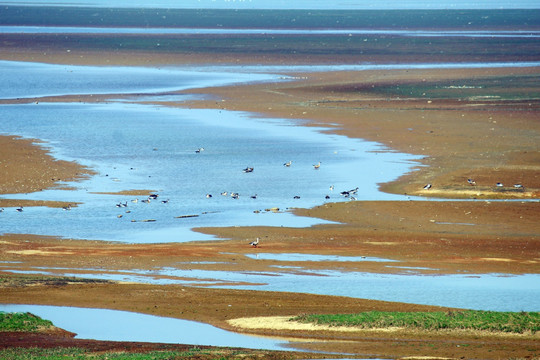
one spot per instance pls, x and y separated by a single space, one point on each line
114 325
497 292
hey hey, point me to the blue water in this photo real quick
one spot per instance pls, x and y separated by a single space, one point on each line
495 292
23 80
114 325
135 146
297 4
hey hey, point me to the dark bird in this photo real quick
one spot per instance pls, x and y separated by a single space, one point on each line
248 169
471 182
427 187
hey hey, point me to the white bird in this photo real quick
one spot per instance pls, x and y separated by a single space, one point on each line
288 163
254 243
500 184
427 187
224 193
518 186
199 150
317 166
471 181
331 187
208 196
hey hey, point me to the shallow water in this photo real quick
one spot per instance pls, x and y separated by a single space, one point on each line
496 292
114 325
27 79
135 146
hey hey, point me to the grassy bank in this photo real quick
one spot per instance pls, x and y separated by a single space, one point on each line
510 322
22 322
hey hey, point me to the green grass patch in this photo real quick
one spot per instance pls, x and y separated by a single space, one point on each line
22 322
510 322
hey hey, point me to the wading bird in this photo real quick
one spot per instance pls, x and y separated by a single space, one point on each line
254 243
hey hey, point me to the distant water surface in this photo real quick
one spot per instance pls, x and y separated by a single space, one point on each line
262 31
297 4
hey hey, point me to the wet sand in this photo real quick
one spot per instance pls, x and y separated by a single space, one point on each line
488 139
28 167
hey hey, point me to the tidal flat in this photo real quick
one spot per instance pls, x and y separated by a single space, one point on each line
457 123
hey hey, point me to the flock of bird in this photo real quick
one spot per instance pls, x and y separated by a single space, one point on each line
472 182
249 169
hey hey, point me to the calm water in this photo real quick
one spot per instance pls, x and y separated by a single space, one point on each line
297 4
135 146
114 325
496 292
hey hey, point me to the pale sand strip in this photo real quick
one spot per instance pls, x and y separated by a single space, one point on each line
284 323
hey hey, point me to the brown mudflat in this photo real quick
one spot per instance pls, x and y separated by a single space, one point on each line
462 121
